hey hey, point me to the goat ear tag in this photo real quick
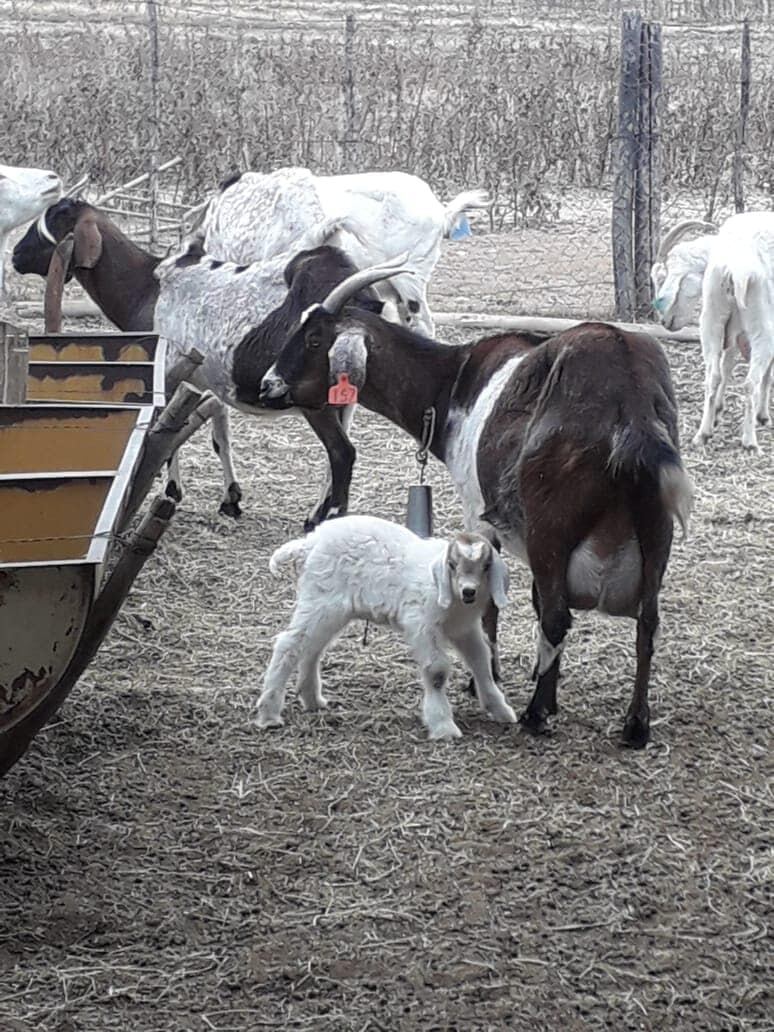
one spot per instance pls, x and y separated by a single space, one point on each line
343 392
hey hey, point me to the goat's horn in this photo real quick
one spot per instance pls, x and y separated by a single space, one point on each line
43 230
678 231
339 296
71 191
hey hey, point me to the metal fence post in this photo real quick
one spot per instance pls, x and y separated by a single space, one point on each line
647 192
625 167
741 125
153 150
348 141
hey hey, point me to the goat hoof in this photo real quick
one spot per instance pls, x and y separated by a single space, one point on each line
534 722
231 509
173 491
636 733
315 705
445 732
265 721
752 448
763 420
502 714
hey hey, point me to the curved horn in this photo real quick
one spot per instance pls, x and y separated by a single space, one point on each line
678 231
340 294
43 231
71 191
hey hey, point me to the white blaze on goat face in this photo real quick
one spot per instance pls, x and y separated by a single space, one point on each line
464 430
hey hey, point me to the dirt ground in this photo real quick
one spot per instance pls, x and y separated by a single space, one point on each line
164 866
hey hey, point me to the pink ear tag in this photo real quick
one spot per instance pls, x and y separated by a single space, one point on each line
343 392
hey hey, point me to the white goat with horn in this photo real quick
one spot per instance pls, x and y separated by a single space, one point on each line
731 271
24 194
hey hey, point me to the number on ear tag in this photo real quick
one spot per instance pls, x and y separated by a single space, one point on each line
343 392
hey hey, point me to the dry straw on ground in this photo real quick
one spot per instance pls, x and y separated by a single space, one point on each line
166 867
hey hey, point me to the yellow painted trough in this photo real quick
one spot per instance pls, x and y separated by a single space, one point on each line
77 457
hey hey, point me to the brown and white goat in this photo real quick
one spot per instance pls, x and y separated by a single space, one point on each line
566 450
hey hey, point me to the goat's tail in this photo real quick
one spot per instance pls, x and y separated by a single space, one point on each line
292 553
461 203
646 448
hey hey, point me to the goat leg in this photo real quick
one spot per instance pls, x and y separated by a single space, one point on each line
554 620
489 622
221 444
636 729
341 457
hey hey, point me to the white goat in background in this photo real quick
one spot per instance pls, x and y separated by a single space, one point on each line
434 592
731 273
678 273
24 194
737 307
256 216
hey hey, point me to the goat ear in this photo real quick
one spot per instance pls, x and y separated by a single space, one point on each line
498 580
88 244
442 579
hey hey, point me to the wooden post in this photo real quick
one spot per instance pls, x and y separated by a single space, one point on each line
741 125
14 359
348 142
153 148
647 192
626 167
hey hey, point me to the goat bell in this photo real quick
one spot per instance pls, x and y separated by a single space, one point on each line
419 515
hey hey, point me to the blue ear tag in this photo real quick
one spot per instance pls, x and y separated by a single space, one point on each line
461 229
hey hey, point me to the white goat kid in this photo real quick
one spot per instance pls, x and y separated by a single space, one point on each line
434 592
738 309
25 193
259 215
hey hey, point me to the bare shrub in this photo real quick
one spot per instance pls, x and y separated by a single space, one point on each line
527 115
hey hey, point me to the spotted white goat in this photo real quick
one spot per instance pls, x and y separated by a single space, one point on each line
257 215
24 194
433 591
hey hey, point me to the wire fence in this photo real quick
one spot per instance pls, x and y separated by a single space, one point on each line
517 97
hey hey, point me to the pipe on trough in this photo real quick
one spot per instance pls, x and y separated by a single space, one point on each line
186 412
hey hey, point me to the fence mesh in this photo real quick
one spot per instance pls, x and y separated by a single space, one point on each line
518 97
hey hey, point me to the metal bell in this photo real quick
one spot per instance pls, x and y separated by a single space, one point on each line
419 516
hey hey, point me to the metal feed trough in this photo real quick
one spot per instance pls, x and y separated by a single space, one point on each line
84 429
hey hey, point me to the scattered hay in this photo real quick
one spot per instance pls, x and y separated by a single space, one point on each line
167 867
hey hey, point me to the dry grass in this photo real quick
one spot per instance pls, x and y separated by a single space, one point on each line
167 867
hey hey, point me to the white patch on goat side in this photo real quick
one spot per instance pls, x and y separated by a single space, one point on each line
463 440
